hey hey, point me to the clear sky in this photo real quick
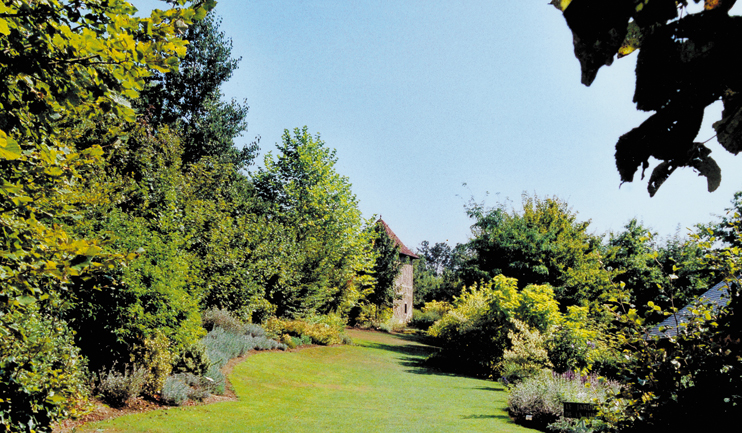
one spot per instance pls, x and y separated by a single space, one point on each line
420 97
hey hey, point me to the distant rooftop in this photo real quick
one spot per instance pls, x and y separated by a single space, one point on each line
717 297
402 248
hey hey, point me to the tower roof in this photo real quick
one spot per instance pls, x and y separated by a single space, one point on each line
402 248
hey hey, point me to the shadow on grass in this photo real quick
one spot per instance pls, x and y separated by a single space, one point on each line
415 356
504 417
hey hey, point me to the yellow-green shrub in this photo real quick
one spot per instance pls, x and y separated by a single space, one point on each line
527 354
430 313
324 330
154 355
474 333
578 343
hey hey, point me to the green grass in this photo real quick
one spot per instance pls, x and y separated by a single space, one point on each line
374 386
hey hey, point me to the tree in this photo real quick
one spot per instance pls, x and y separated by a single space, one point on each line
435 273
727 228
437 258
326 242
544 244
685 63
386 268
60 62
668 382
190 97
670 273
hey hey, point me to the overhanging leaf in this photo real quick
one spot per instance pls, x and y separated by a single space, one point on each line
633 40
667 135
729 128
659 176
706 166
598 29
9 148
723 5
25 300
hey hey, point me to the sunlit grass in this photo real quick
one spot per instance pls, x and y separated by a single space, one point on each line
375 386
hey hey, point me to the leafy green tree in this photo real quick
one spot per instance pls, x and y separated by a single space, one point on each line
386 268
630 255
427 284
545 244
115 310
726 229
435 273
190 97
60 62
437 258
328 246
685 63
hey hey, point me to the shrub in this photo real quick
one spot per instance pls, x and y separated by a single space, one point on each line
214 318
175 391
670 382
193 360
181 387
149 296
542 396
119 387
218 383
474 333
347 340
323 330
154 354
254 330
369 316
221 345
392 325
42 375
579 343
527 354
430 313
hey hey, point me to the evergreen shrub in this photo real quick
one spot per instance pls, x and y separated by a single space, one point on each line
542 396
117 388
155 355
175 391
221 318
181 387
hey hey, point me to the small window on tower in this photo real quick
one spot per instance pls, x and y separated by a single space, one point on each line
405 308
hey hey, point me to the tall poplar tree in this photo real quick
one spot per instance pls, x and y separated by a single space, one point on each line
191 98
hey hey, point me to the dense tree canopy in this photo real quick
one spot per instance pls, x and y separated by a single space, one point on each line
305 194
190 97
62 63
669 273
685 62
387 265
543 244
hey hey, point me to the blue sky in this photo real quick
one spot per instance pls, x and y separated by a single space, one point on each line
420 97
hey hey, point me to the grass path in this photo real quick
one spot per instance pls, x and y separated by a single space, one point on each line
373 386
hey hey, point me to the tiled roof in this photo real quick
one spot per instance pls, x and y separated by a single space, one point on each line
716 296
402 248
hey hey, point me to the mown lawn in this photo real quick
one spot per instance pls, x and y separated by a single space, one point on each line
374 386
